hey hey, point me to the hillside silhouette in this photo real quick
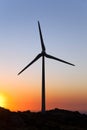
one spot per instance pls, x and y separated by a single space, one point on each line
57 119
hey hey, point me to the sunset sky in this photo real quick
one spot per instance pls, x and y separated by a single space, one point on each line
64 28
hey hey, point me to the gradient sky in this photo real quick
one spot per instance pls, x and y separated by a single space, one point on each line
64 28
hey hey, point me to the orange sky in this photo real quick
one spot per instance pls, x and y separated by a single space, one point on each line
27 96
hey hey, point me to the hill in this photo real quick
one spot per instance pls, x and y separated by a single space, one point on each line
57 119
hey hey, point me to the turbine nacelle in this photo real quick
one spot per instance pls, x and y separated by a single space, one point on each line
43 53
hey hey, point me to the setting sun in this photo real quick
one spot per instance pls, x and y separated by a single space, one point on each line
6 100
2 100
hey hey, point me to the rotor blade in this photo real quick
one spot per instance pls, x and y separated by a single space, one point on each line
41 38
35 59
52 57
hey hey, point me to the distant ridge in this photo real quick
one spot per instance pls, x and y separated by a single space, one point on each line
56 119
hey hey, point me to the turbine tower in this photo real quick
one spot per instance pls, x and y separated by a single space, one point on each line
43 54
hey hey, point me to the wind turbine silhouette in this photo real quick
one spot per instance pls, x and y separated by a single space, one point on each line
43 54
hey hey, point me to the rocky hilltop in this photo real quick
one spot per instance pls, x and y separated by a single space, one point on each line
57 119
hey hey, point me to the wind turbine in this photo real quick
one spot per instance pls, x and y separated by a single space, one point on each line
43 54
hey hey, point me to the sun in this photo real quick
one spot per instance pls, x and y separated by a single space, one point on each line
2 100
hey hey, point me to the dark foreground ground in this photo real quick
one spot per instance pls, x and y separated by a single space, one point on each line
56 119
